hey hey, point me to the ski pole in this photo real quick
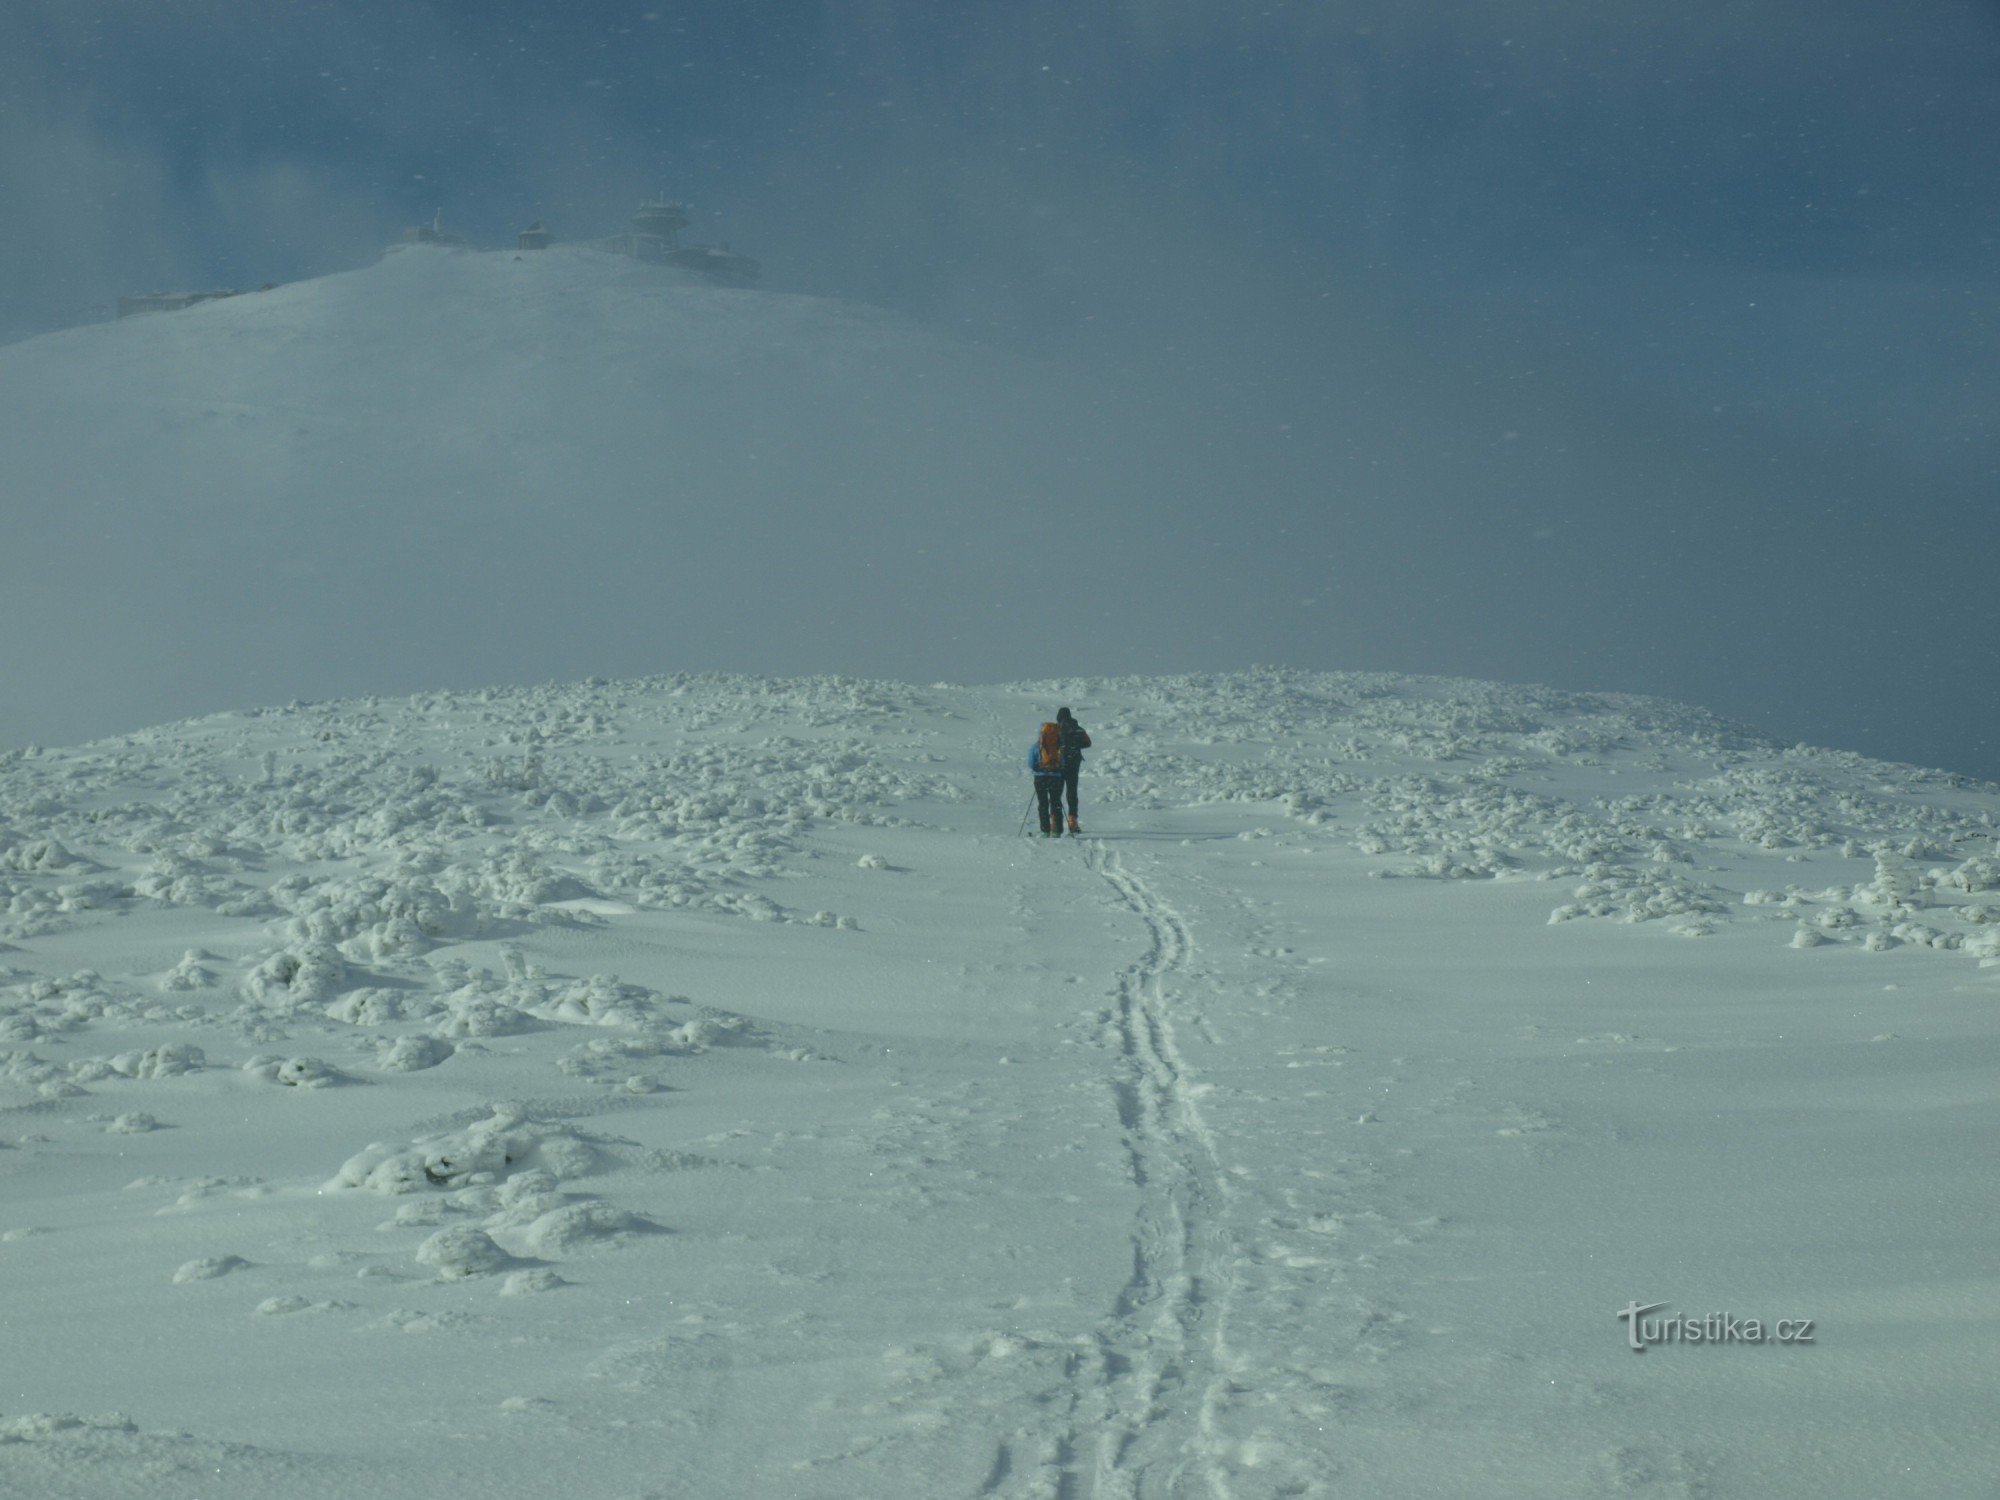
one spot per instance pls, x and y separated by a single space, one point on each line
1022 831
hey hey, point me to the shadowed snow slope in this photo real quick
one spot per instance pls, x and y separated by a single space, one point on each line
693 1087
455 467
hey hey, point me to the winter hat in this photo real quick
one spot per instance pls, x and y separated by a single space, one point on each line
1062 716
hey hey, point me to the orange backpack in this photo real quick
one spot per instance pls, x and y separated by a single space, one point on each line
1052 751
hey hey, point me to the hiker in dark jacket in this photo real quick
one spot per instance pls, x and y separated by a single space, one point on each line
1049 761
1074 742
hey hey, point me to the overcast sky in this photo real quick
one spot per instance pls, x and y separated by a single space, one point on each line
1596 342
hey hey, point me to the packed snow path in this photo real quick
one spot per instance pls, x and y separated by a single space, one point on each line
1163 1350
690 1087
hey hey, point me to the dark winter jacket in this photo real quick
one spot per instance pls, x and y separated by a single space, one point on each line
1074 740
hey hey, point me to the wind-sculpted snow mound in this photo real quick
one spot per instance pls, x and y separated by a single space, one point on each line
498 1187
490 1151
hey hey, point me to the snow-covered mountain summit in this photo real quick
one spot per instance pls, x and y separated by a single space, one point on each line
461 467
694 1086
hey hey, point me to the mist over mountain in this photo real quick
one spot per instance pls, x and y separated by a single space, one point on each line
459 467
1617 349
456 467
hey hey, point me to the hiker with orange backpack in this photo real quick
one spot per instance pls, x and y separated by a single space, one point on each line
1048 761
1054 759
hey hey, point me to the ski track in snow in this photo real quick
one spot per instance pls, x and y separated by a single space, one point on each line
1138 1399
1161 1353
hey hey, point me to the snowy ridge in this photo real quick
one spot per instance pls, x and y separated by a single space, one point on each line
472 467
698 1066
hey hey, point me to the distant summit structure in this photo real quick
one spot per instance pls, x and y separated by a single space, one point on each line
655 237
433 233
662 219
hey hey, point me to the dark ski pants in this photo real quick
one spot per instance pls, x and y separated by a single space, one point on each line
1048 800
1069 787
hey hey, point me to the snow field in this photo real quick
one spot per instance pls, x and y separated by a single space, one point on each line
689 1086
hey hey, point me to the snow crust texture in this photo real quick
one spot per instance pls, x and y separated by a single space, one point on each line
698 1074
